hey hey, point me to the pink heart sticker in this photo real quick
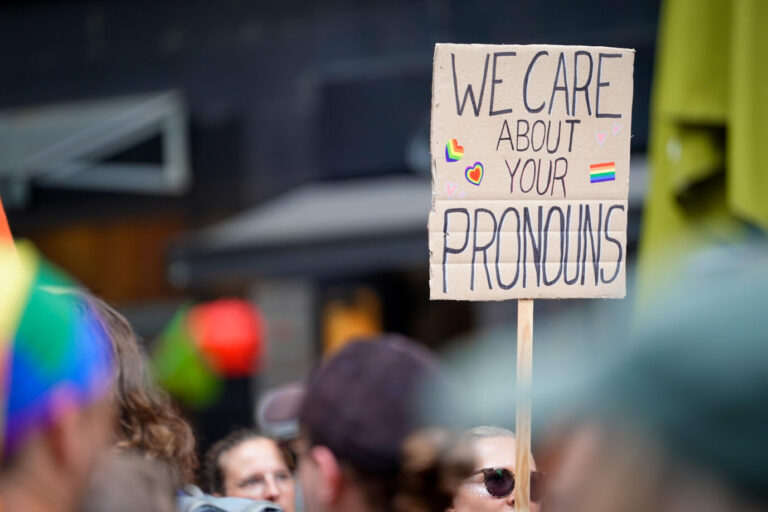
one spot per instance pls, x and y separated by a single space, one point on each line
600 136
616 128
450 189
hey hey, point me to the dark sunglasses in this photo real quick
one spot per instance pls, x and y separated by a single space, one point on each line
500 483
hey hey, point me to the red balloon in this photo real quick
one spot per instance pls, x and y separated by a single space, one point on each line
228 333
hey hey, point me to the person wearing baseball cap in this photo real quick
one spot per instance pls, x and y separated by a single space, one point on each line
55 382
363 444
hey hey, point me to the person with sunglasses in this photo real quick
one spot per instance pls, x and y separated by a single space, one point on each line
491 486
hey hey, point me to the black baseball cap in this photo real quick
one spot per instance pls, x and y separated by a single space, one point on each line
363 402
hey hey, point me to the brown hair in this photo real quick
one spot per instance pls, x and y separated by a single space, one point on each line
148 421
433 463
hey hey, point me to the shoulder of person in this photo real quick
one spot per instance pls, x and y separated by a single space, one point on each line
193 499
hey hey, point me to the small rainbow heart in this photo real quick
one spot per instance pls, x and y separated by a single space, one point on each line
453 152
474 173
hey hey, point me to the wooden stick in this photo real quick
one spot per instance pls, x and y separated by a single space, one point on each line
523 408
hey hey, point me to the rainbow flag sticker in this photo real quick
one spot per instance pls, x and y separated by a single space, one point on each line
605 171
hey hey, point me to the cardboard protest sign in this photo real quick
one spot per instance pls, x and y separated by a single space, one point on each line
530 169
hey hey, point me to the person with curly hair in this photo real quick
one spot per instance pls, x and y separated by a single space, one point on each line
150 425
148 421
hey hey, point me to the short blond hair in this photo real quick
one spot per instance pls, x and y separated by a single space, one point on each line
484 431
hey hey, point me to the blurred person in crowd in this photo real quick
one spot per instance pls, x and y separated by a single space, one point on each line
148 421
56 381
247 465
151 426
491 486
678 420
128 482
362 445
276 415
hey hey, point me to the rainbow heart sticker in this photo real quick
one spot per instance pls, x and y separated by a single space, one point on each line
453 152
474 173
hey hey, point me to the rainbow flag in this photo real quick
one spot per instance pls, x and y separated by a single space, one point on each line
54 351
602 172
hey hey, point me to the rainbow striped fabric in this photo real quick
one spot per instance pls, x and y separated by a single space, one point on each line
602 172
5 229
54 351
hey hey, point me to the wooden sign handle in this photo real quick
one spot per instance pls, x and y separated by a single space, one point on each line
523 408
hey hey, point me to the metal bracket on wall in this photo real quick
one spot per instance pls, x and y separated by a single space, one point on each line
66 145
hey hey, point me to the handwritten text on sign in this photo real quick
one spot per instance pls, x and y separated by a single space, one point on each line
530 163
